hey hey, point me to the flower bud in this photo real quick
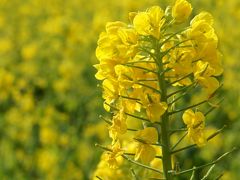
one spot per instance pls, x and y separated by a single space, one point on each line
181 10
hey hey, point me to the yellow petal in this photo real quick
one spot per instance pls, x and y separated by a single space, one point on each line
149 135
155 111
203 16
141 23
146 153
181 10
187 116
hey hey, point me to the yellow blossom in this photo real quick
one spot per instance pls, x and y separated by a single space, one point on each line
181 10
118 126
145 152
149 22
204 76
201 30
113 158
156 110
195 123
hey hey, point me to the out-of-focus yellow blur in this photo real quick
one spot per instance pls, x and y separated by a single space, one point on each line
49 103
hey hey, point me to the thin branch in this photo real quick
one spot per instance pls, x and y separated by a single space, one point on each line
139 67
180 90
205 165
142 165
103 147
179 141
176 45
132 154
182 95
213 107
130 129
110 123
105 119
171 131
164 71
193 173
215 92
137 117
194 145
126 97
150 87
99 178
124 155
208 172
143 80
183 109
148 52
137 62
171 36
134 174
181 78
218 177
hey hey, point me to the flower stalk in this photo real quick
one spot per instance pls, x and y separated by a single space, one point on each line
147 69
164 134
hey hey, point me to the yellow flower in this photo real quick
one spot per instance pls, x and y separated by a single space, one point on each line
113 158
149 22
181 10
46 160
203 16
103 171
156 110
203 73
201 29
118 126
210 84
195 123
112 27
110 93
28 52
122 73
145 152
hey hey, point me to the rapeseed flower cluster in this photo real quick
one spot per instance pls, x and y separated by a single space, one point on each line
146 67
49 106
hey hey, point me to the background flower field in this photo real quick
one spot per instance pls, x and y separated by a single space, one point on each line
49 99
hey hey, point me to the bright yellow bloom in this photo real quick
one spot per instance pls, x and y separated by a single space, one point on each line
203 16
156 110
209 55
103 171
149 22
115 46
204 76
210 84
110 93
145 152
195 123
181 10
201 30
123 72
118 126
113 158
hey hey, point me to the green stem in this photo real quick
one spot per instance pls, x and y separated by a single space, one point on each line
194 145
179 141
205 165
186 108
142 165
165 138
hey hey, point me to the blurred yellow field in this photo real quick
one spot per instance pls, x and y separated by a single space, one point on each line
50 100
